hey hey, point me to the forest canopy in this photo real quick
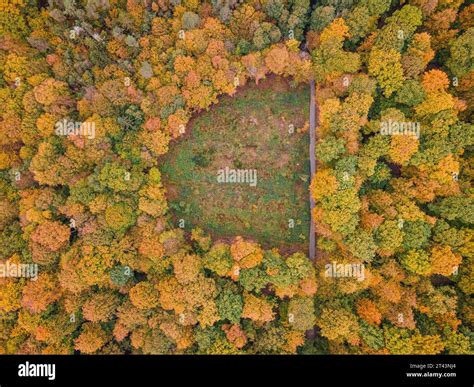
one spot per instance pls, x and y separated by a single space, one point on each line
93 94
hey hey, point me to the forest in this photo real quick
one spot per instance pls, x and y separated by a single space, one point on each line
101 99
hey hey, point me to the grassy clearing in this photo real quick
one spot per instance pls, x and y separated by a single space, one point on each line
247 131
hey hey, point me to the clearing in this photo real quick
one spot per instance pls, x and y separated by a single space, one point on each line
251 131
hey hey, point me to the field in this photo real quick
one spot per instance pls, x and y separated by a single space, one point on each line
261 128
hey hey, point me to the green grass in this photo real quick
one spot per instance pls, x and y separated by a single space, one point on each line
248 131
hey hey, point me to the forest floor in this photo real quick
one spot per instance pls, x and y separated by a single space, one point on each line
251 131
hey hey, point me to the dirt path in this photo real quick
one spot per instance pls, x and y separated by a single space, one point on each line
312 161
314 252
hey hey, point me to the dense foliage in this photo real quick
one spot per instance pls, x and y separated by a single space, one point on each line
117 276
